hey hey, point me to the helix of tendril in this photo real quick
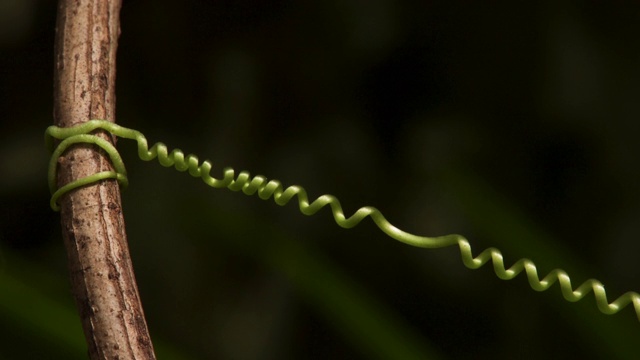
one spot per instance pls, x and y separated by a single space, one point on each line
266 189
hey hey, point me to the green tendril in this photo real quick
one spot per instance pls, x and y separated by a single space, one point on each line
273 189
119 174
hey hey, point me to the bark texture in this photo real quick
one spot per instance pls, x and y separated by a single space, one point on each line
93 228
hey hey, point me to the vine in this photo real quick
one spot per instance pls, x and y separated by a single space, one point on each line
266 189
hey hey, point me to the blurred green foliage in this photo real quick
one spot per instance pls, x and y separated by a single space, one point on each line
513 124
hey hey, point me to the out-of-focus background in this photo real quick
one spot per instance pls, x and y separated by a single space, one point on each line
515 124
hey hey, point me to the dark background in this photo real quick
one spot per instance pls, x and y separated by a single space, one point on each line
513 124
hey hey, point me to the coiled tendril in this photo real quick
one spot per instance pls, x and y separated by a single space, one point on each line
273 189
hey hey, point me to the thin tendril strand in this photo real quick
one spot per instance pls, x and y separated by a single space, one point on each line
273 189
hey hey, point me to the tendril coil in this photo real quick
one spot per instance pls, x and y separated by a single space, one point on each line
266 189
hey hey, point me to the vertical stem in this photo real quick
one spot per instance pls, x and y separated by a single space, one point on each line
102 276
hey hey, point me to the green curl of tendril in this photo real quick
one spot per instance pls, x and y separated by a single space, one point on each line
273 189
69 139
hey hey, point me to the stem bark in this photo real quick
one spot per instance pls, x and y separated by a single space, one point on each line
102 276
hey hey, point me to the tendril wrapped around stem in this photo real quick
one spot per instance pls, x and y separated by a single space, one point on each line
267 189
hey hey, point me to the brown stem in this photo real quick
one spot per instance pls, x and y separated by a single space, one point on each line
102 276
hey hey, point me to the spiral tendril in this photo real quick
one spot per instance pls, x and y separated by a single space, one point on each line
274 189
